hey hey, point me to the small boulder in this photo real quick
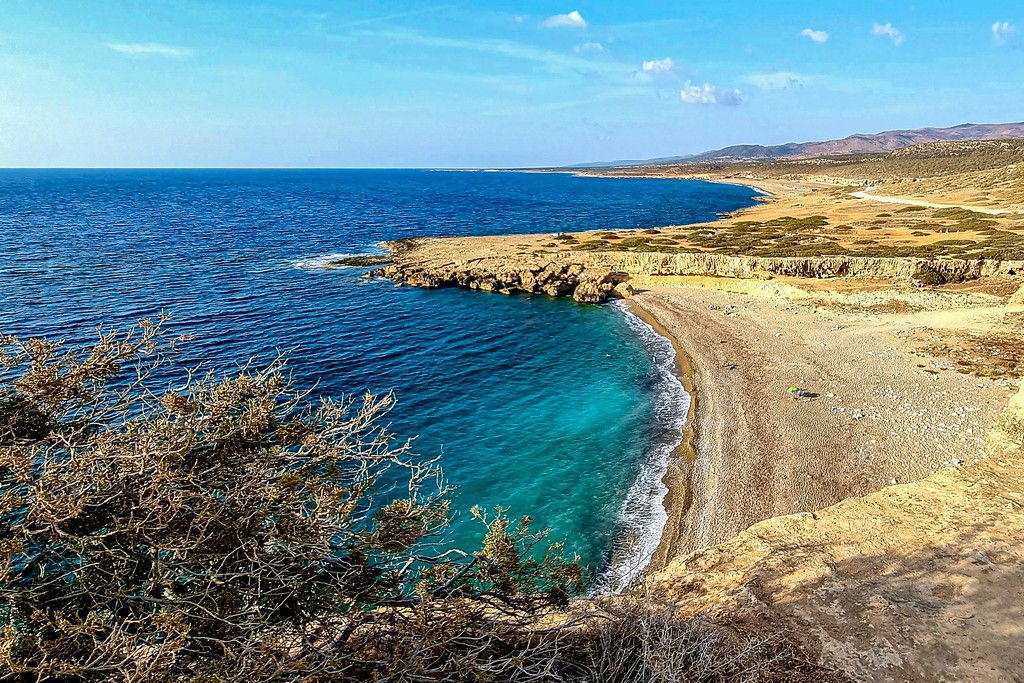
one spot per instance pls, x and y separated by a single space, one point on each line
593 288
623 290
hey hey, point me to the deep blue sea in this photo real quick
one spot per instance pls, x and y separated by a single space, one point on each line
561 411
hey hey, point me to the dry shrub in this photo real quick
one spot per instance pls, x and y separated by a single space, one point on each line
232 529
640 641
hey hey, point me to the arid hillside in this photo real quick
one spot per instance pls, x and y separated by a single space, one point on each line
860 143
949 199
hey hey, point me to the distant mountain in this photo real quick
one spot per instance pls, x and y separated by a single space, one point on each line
633 162
854 144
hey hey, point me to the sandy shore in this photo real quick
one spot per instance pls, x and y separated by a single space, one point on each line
879 412
882 410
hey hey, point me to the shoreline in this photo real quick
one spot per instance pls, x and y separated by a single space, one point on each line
883 412
754 453
676 478
660 486
753 183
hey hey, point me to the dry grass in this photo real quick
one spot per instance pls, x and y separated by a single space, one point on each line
970 236
989 355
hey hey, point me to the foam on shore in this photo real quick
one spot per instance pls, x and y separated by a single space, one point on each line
643 515
335 261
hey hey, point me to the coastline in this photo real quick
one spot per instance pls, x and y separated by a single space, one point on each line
883 411
852 514
676 479
656 499
757 184
753 453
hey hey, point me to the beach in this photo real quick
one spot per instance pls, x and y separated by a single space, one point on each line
874 520
877 412
899 380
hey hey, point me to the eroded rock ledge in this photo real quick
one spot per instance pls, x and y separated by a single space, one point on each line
592 277
554 279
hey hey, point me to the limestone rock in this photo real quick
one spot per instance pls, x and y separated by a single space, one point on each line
623 290
593 288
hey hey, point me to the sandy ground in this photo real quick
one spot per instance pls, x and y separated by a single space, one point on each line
918 202
918 582
878 413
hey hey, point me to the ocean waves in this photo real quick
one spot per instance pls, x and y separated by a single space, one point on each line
643 514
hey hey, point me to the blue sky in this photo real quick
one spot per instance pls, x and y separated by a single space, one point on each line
425 84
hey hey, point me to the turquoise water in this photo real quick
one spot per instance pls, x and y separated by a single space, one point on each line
561 411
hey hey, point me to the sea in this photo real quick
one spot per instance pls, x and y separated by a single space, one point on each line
560 411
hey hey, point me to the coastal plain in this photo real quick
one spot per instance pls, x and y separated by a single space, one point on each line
902 322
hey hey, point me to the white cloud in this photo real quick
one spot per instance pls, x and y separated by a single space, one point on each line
1003 32
588 47
136 49
658 66
817 36
894 34
560 61
776 80
710 94
571 20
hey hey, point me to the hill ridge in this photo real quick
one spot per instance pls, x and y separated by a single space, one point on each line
858 143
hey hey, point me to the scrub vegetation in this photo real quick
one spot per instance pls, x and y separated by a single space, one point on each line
975 237
160 524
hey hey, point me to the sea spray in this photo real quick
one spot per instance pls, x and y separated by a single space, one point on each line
332 261
643 515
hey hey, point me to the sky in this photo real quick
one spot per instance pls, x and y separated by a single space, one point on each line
414 83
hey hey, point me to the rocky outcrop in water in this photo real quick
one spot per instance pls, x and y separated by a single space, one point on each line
554 279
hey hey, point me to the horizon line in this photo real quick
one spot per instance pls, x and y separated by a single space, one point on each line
273 168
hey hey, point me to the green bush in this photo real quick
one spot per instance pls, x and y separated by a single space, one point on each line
928 275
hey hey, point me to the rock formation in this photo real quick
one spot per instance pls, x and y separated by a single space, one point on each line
554 279
592 277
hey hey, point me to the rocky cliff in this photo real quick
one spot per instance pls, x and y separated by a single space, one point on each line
587 285
594 276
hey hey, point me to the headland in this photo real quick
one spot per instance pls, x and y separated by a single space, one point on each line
902 324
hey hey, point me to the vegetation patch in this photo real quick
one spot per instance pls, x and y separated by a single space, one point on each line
928 275
992 355
957 214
